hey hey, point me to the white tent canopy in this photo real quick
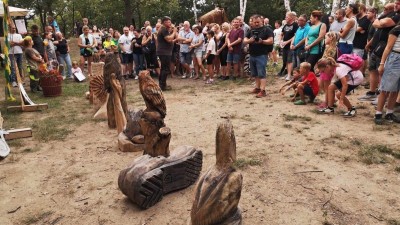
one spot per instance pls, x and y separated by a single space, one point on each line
14 11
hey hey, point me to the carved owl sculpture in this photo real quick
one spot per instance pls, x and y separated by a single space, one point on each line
152 94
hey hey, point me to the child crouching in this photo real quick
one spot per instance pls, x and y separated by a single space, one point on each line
308 86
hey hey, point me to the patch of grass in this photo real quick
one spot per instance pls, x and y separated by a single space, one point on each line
286 125
36 218
296 117
31 150
356 141
243 163
15 143
397 169
376 154
393 222
50 129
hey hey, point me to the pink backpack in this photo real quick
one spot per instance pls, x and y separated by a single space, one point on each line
354 61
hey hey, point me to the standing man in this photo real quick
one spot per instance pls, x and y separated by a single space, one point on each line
360 40
53 23
340 21
125 42
234 40
288 32
38 42
299 39
15 54
185 38
165 45
260 40
85 22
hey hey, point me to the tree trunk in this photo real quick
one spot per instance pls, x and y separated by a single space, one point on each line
335 7
287 5
127 12
195 11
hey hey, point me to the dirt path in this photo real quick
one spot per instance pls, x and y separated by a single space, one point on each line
298 167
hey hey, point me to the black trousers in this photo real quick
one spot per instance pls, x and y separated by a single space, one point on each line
165 70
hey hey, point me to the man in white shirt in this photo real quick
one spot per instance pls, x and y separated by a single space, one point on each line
15 54
340 21
124 43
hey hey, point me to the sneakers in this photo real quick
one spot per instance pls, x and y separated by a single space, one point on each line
350 113
327 110
288 77
184 76
261 94
374 102
255 91
210 81
299 102
64 77
14 84
369 96
378 119
136 77
390 117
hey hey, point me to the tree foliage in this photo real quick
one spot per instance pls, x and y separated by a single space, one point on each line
116 14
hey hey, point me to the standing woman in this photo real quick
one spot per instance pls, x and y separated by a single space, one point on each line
138 57
149 41
217 37
197 46
63 54
86 43
222 51
314 40
98 35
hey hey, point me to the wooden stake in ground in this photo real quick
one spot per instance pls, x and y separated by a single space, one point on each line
217 193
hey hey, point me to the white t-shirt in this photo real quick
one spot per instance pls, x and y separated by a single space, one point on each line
211 47
277 36
15 38
343 70
126 43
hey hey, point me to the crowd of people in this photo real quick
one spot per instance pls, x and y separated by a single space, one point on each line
318 56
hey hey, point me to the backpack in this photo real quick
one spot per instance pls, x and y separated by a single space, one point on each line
354 61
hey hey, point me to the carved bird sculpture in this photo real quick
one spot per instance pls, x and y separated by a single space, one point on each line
152 94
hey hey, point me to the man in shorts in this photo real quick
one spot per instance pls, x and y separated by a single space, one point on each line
260 40
185 38
125 42
234 41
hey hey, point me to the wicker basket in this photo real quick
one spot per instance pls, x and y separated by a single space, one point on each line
51 85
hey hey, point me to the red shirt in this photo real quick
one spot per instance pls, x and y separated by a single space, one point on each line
233 36
313 82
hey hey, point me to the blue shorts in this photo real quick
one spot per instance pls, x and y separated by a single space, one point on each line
233 58
185 57
258 66
390 81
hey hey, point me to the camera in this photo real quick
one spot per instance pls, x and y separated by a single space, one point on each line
256 35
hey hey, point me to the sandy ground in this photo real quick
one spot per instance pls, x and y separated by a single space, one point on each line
74 181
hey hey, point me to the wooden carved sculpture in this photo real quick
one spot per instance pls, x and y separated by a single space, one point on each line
217 193
156 173
112 66
157 136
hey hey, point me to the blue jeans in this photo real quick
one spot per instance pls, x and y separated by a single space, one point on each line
258 66
67 62
139 63
18 58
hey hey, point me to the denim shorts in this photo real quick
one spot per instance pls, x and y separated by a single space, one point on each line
185 57
390 81
258 66
233 58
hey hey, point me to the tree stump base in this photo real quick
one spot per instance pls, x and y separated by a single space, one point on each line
147 179
126 145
